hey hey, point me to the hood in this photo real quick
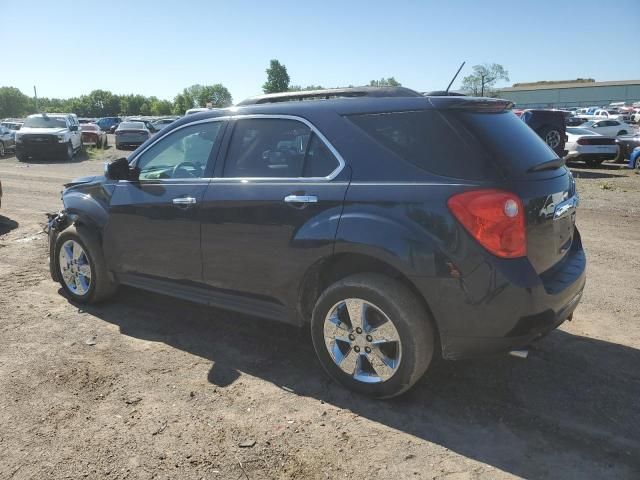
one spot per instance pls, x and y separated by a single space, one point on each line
82 180
42 131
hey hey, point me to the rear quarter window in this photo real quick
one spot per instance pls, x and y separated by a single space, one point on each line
460 144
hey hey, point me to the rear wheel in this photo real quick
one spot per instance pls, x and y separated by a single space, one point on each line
372 335
106 142
81 267
2 150
636 163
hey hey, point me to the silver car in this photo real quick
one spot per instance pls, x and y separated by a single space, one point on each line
131 134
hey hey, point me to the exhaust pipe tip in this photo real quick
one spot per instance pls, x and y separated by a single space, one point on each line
524 353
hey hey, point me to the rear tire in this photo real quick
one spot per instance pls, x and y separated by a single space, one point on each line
391 351
105 143
99 285
2 150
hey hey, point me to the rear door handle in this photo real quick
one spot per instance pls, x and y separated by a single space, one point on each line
183 201
300 199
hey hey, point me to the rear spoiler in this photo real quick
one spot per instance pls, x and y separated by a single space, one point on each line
474 104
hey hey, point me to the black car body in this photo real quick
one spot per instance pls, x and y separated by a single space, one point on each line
550 125
627 143
384 194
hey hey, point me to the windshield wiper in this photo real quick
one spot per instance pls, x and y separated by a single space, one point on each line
548 165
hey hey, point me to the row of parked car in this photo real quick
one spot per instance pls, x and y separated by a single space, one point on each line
64 134
586 138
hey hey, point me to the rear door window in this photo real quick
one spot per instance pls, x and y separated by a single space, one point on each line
276 148
459 144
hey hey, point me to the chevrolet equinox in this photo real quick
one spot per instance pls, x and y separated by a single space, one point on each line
398 227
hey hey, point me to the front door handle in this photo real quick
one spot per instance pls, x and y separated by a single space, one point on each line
300 199
184 201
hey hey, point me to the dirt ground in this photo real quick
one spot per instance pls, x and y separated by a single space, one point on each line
148 387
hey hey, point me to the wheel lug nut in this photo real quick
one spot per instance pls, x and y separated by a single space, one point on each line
352 337
356 349
369 338
367 349
358 330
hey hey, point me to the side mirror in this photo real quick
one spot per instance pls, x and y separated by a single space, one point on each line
73 128
120 170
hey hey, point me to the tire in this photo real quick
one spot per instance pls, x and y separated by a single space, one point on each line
68 156
552 136
98 286
98 144
636 163
393 312
21 158
593 163
2 150
105 144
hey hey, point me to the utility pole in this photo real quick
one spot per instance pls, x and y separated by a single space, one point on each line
35 93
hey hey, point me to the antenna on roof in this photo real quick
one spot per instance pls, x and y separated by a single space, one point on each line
454 78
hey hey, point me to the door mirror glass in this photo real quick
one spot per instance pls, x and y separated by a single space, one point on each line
73 128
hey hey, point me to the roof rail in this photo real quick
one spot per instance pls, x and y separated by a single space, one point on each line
328 93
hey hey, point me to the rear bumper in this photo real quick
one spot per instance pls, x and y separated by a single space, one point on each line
504 305
593 155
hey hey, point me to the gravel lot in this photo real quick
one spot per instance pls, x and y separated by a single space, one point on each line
149 387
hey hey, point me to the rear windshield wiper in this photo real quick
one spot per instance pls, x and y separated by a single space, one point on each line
548 165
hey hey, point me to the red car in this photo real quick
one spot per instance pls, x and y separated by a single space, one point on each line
92 134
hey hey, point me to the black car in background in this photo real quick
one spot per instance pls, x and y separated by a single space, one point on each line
550 125
627 143
396 227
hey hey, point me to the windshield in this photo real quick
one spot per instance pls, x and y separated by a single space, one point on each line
88 128
45 122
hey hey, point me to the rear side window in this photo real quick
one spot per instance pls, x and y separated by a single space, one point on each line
276 148
458 144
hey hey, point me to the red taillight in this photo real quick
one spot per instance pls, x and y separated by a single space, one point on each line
494 218
582 141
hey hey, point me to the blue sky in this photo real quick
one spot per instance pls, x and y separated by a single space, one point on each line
69 48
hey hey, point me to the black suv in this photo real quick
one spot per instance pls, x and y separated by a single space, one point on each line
398 227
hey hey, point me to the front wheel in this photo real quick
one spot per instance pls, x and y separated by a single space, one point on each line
68 156
81 267
372 335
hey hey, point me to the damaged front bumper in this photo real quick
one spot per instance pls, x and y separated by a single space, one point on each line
56 222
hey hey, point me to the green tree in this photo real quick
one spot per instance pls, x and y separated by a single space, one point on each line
145 109
161 107
13 103
131 104
385 82
181 104
277 78
483 79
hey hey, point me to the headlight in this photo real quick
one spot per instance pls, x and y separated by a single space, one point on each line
61 138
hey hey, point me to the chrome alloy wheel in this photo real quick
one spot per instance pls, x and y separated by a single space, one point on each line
75 267
553 138
362 341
